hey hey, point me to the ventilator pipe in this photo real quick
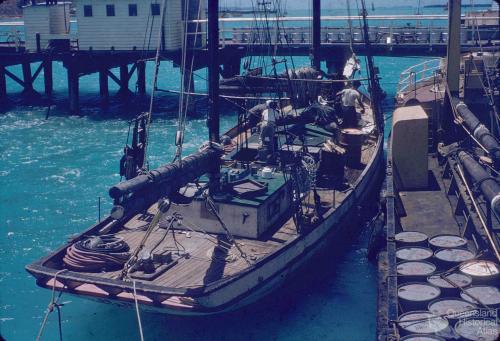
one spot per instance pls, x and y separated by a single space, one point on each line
477 129
488 185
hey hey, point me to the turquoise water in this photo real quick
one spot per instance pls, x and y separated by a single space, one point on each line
52 173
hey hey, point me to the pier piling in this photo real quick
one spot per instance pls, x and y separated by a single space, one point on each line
3 83
27 79
124 78
104 85
141 77
47 77
73 90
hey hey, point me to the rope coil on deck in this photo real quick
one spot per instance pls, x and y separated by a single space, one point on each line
96 254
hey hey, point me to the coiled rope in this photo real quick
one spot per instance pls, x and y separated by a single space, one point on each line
95 254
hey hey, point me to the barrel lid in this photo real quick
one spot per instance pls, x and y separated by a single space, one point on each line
482 329
454 255
422 322
414 253
447 241
410 237
414 268
454 308
421 337
486 294
418 292
480 268
352 131
460 280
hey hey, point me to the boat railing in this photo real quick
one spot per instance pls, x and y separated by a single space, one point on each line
417 74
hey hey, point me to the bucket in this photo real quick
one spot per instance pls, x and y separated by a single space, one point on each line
421 337
411 238
485 294
481 271
449 258
448 289
453 309
415 296
477 328
413 253
422 322
447 241
414 271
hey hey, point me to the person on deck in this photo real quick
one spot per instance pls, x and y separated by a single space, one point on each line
267 131
349 98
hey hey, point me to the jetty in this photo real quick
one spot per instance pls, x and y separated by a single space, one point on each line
122 35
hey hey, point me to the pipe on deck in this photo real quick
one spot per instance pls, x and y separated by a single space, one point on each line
171 176
477 129
488 185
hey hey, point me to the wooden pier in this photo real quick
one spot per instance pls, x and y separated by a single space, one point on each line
333 44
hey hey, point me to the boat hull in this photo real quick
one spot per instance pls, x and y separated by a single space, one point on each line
274 270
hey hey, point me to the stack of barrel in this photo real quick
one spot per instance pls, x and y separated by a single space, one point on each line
445 290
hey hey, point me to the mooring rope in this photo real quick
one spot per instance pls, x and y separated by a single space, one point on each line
138 312
54 303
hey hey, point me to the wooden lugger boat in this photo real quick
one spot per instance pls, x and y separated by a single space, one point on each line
204 271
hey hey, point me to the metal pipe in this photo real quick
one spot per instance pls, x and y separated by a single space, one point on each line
477 129
483 224
488 185
171 176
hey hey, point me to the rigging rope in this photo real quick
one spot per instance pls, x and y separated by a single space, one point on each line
155 82
54 303
137 312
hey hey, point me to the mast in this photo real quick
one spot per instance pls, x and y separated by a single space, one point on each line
316 34
453 51
372 72
213 70
213 85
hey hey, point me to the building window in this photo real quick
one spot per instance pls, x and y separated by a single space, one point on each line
110 10
132 10
155 9
87 10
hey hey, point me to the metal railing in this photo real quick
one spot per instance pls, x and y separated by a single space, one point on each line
419 73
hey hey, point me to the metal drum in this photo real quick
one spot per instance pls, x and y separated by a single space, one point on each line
482 294
481 271
422 322
448 289
421 337
411 238
414 296
414 271
477 329
413 253
452 308
447 241
352 140
448 258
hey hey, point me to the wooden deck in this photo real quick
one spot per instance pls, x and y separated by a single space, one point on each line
200 259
